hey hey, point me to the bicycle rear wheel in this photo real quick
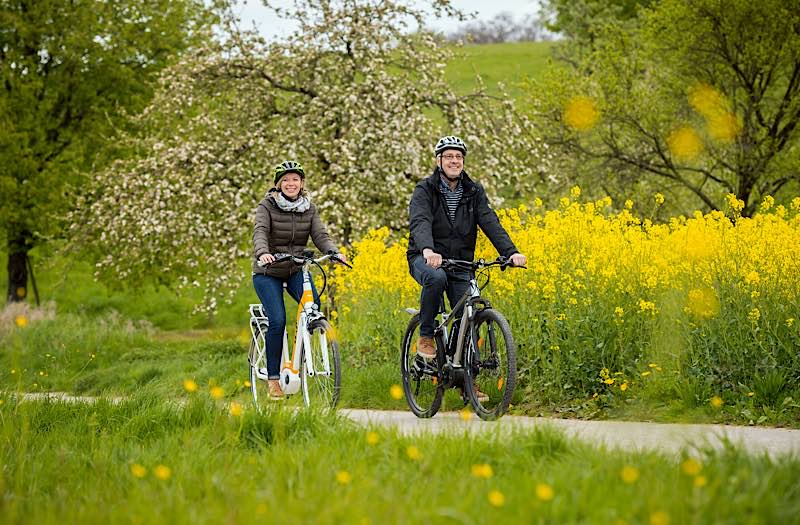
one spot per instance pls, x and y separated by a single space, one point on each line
421 379
321 384
491 365
257 358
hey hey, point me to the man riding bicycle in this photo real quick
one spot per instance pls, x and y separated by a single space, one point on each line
445 212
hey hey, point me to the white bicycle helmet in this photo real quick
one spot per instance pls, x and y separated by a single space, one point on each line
450 142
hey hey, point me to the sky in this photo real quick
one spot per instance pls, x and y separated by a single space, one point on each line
253 11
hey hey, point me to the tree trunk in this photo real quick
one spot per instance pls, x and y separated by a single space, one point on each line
17 270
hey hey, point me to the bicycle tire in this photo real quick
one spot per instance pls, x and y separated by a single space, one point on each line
490 364
423 391
321 391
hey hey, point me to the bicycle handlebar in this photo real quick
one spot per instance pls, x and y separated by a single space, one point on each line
305 257
456 264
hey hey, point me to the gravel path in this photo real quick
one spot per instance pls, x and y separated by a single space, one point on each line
635 436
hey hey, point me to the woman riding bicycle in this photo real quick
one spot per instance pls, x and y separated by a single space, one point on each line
285 219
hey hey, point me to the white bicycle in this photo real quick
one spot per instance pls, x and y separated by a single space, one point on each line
314 365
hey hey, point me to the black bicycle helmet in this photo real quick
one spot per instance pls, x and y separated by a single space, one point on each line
289 166
450 142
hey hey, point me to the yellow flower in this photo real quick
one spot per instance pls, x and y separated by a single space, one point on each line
189 385
162 472
343 477
691 467
372 438
754 315
21 321
138 471
659 518
623 386
684 143
659 198
396 391
646 373
575 192
544 491
767 203
496 498
736 205
235 409
618 311
700 481
247 383
628 204
261 508
217 392
752 278
629 474
580 113
482 470
751 394
465 413
790 322
413 452
717 402
609 381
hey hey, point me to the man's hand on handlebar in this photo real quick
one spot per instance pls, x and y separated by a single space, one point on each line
518 259
432 258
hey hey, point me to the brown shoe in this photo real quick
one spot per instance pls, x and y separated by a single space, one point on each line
480 395
426 347
275 391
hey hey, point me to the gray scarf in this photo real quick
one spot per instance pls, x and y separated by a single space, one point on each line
298 205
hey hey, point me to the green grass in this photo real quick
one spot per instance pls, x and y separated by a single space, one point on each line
78 463
509 63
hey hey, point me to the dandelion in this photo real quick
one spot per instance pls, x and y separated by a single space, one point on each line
372 438
138 470
544 492
629 474
413 452
235 409
465 413
751 394
609 381
162 472
496 498
580 113
247 384
189 385
482 470
21 321
691 467
343 477
717 402
217 392
646 373
396 392
659 518
700 481
623 386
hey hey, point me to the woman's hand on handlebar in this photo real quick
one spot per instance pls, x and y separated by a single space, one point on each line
266 258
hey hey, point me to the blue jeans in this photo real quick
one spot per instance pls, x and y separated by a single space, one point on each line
435 282
270 291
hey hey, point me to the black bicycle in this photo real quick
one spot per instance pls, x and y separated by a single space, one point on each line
477 354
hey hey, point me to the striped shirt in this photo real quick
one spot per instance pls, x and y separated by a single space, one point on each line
452 197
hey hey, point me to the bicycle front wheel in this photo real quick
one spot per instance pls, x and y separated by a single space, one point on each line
491 365
321 381
421 382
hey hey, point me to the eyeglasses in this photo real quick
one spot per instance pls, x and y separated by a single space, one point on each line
453 157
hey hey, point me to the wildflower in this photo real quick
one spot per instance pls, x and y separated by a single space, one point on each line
413 452
217 392
189 385
659 198
628 204
703 302
483 470
700 481
659 518
652 365
717 402
754 315
343 477
751 394
629 474
162 472
646 373
609 381
138 471
372 438
247 383
575 192
736 205
544 492
790 322
580 113
691 467
623 386
465 413
752 278
496 498
396 392
538 202
684 143
767 203
618 311
235 409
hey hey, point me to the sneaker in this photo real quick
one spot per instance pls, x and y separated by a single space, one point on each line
480 395
275 391
426 347
263 371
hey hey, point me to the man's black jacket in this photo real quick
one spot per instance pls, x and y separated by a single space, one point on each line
431 227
